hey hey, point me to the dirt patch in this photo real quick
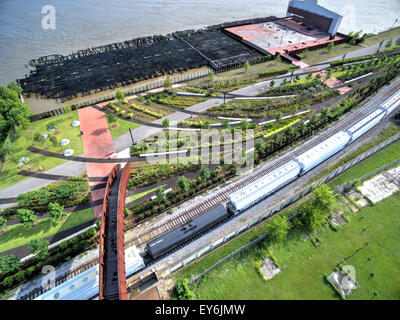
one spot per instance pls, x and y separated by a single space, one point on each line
166 289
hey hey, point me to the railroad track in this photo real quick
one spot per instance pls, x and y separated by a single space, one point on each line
59 280
222 196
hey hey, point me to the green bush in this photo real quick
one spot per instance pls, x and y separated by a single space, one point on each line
182 290
272 72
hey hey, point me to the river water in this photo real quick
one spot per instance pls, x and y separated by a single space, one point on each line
86 23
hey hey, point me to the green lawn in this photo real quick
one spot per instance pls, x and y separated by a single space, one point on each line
390 34
120 127
376 161
25 137
320 55
304 265
18 235
241 73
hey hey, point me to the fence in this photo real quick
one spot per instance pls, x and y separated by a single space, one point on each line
266 214
136 90
383 168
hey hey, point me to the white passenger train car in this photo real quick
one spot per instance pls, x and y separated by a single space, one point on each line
366 123
85 285
323 151
391 103
244 198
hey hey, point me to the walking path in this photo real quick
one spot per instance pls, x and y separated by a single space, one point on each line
97 143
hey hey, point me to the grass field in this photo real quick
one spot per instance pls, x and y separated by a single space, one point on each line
376 161
304 265
390 34
120 127
241 73
18 235
25 137
320 55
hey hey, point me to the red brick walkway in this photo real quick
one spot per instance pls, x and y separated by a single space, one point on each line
97 143
333 82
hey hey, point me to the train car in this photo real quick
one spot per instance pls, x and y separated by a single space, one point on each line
170 240
85 285
366 123
323 151
81 287
261 188
392 103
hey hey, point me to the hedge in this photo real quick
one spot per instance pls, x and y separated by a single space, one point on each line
273 72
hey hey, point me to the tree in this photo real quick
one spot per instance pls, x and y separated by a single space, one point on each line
277 229
225 124
8 264
389 43
205 173
56 211
278 116
244 124
168 83
313 212
165 123
246 66
160 194
26 217
271 84
309 76
184 183
211 75
13 112
323 198
39 247
3 223
119 95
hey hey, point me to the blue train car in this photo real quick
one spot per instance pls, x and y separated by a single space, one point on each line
258 190
170 240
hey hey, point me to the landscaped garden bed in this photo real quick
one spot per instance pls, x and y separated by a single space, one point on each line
186 189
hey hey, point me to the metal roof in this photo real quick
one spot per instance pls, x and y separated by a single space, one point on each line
324 147
365 120
263 185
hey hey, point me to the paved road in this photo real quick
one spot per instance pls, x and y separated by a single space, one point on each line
124 141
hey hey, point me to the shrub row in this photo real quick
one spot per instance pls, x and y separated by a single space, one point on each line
269 73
